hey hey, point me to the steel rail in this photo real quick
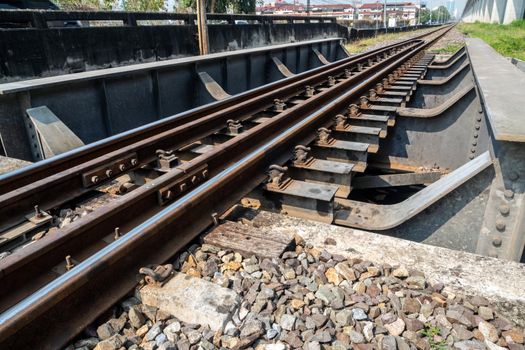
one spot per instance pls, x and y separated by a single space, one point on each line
33 261
63 186
58 311
59 163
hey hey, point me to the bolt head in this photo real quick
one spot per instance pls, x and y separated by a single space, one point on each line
496 242
109 172
504 209
95 179
509 194
500 225
122 167
134 161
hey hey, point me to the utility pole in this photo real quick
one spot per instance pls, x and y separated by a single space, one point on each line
384 16
419 13
308 7
202 28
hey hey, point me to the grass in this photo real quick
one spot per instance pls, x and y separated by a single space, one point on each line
359 46
508 40
450 48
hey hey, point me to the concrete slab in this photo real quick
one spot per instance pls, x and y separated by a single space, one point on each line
502 89
193 300
500 281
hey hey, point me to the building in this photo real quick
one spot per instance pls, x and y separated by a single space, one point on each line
402 12
405 12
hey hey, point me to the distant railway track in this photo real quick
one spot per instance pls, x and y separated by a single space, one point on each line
184 170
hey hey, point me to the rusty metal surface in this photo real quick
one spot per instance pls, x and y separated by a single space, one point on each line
383 217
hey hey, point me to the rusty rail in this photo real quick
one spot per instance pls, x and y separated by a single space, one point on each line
109 274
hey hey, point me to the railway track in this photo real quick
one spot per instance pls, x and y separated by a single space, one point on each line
170 180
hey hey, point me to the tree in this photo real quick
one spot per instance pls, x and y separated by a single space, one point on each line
440 14
221 6
424 16
87 5
143 5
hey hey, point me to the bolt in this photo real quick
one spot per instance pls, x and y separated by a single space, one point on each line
69 263
117 233
38 213
496 242
513 176
94 179
471 156
122 167
476 127
183 187
194 180
476 135
205 173
474 143
509 194
473 150
500 225
478 119
134 161
167 195
109 172
504 209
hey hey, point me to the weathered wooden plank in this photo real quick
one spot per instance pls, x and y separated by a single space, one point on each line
248 240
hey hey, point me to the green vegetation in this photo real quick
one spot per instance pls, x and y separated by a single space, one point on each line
430 332
128 5
440 14
212 6
359 46
508 40
450 48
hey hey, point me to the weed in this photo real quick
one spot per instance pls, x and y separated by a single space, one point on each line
430 331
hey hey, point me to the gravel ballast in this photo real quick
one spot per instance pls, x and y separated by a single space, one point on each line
312 299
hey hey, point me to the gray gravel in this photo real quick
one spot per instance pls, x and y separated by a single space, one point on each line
311 299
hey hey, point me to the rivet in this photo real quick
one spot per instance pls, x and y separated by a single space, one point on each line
122 167
471 156
504 209
509 194
500 225
474 143
473 150
134 161
476 127
478 119
480 110
94 179
496 242
513 176
475 135
109 172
